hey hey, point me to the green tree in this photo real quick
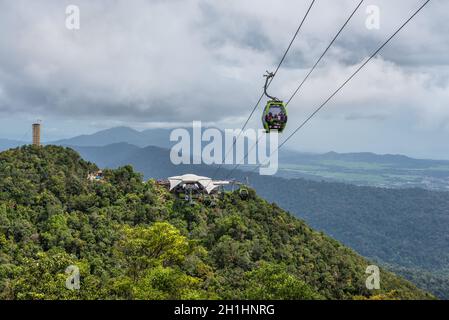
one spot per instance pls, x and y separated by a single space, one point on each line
143 247
273 282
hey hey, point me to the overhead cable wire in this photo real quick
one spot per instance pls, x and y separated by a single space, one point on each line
372 56
323 54
276 71
307 76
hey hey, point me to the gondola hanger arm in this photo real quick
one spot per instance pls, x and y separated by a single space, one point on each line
268 76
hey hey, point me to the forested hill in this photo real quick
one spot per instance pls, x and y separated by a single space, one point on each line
134 240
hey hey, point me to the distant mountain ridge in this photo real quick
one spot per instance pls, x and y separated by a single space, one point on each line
391 159
154 137
161 138
152 161
8 144
363 169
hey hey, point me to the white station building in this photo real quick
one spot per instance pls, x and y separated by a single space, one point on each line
197 182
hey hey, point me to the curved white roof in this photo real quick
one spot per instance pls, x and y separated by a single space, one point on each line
207 183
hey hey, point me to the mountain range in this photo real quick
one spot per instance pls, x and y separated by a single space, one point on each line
363 168
403 228
133 239
150 137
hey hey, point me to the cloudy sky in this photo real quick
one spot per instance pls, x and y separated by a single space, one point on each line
164 63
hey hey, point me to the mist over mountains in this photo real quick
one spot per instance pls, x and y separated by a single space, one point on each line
362 168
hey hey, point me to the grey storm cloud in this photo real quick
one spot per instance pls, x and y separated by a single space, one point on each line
177 61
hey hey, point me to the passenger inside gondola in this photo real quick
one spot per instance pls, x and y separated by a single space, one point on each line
276 119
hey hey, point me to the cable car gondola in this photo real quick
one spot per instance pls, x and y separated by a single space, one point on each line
243 193
274 116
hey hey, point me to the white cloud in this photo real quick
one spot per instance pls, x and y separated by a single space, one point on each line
176 61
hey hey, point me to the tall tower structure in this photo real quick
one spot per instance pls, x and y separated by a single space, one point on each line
37 133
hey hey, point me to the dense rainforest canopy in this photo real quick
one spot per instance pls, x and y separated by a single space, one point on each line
134 240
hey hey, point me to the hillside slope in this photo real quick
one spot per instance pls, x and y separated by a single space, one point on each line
134 240
407 227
